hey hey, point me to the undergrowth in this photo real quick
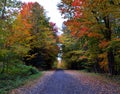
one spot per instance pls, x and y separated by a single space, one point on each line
17 77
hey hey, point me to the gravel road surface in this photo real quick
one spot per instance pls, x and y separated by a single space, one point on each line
69 82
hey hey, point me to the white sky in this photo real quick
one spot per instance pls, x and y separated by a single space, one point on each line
51 8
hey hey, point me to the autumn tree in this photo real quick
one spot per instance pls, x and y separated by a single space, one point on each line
27 36
96 21
39 35
21 36
8 11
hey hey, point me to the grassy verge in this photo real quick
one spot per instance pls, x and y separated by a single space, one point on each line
9 82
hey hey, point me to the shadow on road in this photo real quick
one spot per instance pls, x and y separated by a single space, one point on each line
59 70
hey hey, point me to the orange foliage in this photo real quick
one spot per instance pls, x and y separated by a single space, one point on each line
21 27
76 29
73 33
103 44
83 57
82 32
93 34
25 12
73 22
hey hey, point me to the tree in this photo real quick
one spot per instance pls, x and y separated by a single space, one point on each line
96 21
20 35
40 35
8 10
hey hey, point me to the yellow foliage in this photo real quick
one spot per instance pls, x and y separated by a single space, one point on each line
104 63
29 57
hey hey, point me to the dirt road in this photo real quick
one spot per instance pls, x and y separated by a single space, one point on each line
70 82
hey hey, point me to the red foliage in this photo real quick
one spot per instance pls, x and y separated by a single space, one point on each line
83 32
79 32
73 33
26 9
77 3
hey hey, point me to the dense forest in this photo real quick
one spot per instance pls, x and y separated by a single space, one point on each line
27 41
25 36
91 38
92 35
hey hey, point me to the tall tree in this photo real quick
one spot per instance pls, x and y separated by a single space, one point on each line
96 20
39 32
8 10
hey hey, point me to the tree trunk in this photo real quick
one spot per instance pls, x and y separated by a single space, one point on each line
110 55
97 66
111 64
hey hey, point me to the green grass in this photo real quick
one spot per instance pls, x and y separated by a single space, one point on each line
9 81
